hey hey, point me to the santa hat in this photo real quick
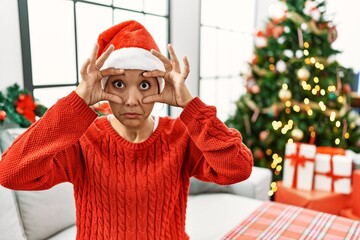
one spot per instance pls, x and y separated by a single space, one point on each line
132 44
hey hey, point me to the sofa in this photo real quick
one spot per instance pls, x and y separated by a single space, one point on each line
212 210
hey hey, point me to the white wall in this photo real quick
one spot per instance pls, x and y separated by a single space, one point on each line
185 26
262 12
185 36
10 48
346 16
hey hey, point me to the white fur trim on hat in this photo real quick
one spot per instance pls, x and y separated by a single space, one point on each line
133 58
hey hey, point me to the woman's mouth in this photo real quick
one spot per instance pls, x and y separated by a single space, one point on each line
131 115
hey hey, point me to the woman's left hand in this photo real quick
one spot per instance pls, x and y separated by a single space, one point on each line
175 92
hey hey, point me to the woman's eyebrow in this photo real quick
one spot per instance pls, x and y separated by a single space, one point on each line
118 76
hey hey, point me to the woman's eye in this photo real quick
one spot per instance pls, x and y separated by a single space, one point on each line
144 85
118 84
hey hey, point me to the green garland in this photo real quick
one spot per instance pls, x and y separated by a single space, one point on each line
18 106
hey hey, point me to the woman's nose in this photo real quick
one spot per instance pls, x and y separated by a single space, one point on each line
133 97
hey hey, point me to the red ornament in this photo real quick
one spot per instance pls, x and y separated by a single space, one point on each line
332 34
250 142
254 59
260 33
274 30
259 154
263 135
346 88
2 115
255 89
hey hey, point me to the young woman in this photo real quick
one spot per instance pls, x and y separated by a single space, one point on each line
130 170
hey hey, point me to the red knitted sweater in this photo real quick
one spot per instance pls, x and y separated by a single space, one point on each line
125 190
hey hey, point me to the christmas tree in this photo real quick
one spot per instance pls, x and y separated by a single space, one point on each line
296 90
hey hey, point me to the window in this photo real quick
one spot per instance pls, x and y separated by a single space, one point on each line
58 35
226 44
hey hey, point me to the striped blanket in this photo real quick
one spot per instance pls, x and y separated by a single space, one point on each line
286 222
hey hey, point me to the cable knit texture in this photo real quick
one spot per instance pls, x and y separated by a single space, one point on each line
125 190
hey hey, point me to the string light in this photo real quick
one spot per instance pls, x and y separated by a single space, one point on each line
284 130
337 141
306 52
296 108
340 99
270 193
268 152
304 85
319 66
322 106
273 165
331 88
338 123
276 125
332 116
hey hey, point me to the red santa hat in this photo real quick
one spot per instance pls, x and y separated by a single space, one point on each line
132 44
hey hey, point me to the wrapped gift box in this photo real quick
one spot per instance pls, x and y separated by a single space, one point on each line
354 210
328 202
299 165
355 158
349 213
333 170
355 195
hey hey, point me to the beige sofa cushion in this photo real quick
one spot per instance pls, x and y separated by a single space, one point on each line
45 213
7 136
10 221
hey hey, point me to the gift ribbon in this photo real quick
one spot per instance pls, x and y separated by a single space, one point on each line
295 161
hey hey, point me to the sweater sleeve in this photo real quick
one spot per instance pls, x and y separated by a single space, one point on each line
48 152
216 152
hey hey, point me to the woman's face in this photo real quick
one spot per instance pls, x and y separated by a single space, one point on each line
132 87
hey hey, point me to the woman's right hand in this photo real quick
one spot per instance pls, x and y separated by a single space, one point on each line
90 89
